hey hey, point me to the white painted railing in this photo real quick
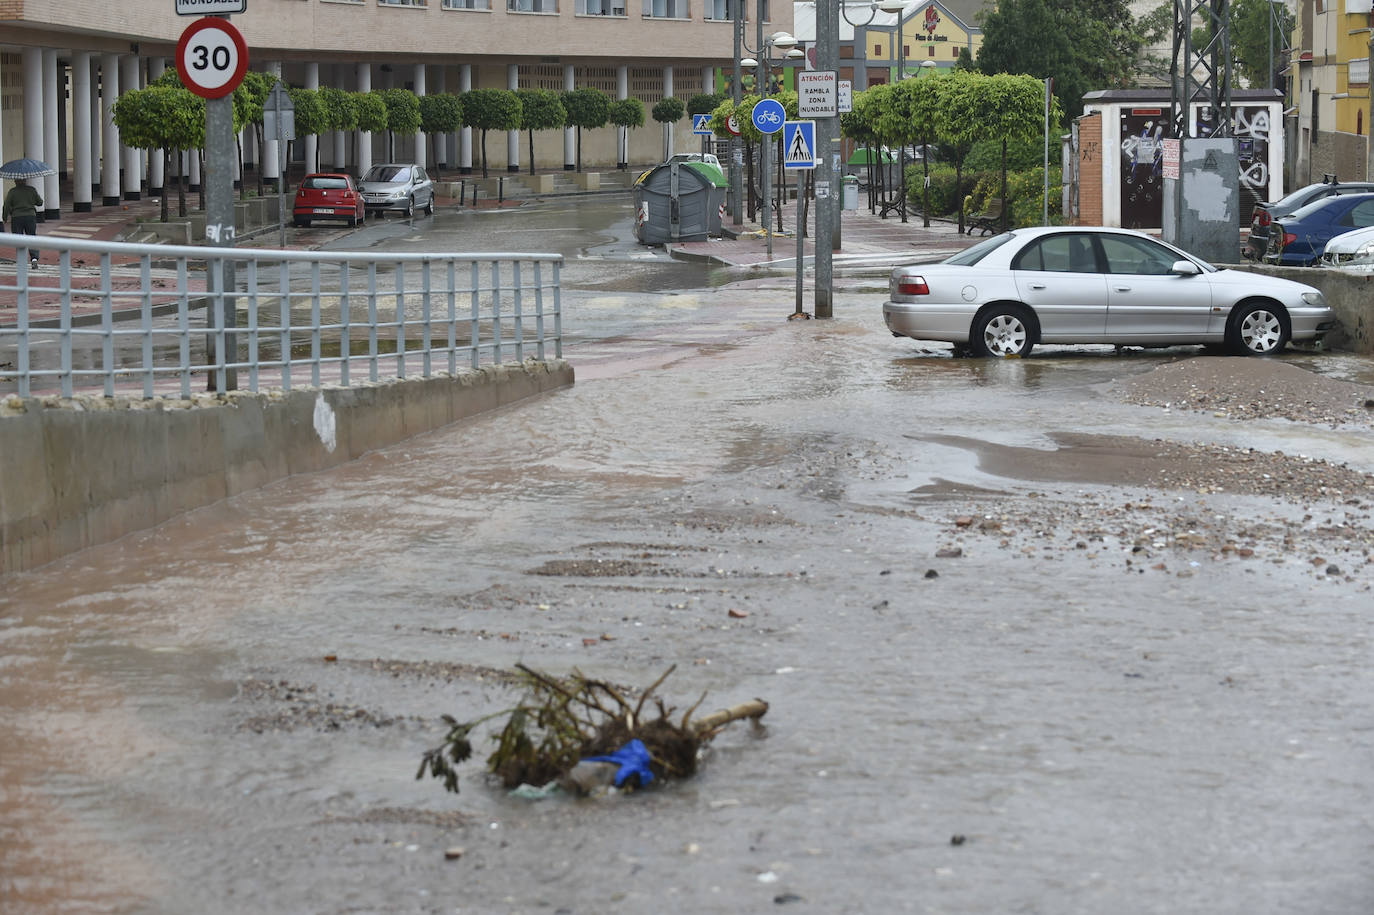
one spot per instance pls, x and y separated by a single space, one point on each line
167 319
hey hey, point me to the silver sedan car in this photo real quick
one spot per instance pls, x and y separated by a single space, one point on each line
1096 285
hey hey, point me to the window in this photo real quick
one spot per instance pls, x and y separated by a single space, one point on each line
1360 216
1137 256
532 6
402 2
665 9
931 49
601 7
1067 253
467 4
717 10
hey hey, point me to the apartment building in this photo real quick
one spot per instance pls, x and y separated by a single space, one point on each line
63 62
1331 98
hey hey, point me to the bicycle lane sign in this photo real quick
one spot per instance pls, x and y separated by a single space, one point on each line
769 115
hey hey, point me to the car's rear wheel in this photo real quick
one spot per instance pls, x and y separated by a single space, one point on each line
1257 329
302 222
1002 331
353 222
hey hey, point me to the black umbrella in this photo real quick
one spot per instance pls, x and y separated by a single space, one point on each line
26 168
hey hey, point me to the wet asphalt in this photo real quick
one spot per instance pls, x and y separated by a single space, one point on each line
993 688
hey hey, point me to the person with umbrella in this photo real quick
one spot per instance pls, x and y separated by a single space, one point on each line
23 202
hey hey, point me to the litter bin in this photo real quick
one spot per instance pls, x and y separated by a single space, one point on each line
679 201
851 192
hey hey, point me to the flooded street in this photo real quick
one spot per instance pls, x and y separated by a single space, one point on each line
1037 636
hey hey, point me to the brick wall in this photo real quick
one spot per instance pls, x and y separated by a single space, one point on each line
1090 162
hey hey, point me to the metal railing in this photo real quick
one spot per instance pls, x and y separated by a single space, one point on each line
119 317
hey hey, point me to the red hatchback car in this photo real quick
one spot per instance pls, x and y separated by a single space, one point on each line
328 196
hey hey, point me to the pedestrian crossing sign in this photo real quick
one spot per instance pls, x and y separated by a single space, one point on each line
701 123
799 144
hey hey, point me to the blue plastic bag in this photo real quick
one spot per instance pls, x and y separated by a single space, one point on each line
633 759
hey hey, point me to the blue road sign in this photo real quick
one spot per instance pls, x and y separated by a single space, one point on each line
701 124
799 144
769 115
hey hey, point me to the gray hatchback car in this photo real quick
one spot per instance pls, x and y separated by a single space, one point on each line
400 186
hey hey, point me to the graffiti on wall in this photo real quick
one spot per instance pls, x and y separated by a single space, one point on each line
1142 162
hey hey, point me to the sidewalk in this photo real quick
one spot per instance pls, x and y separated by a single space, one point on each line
866 240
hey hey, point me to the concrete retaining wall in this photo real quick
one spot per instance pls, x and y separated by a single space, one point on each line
1350 295
79 472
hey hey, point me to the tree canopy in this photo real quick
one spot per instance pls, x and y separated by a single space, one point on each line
587 107
491 109
540 109
161 117
1082 44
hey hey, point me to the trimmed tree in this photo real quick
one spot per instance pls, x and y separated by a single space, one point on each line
586 107
540 109
668 111
371 114
251 94
626 113
491 109
311 121
340 111
402 116
440 113
162 117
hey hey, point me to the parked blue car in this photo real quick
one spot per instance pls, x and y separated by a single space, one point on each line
1298 240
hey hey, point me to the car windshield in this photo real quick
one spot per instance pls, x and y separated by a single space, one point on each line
1305 212
973 255
325 182
387 173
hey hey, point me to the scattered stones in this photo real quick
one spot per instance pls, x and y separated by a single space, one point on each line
949 552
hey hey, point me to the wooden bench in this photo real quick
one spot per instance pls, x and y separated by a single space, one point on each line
989 221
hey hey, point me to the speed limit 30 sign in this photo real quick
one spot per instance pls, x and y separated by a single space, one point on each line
211 57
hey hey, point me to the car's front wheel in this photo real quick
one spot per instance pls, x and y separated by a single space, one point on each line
1257 329
410 208
1002 331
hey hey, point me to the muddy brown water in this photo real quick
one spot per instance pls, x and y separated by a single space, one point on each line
991 690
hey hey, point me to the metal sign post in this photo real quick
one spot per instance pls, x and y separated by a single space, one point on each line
211 59
279 121
799 151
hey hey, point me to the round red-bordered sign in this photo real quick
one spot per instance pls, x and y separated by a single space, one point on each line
211 57
732 125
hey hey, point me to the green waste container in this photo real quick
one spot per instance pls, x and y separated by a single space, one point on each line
679 201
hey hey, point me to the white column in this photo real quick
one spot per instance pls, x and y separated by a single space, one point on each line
442 150
335 148
81 132
157 183
109 91
96 125
364 136
312 142
52 150
708 80
34 132
465 138
133 162
271 166
569 133
512 136
622 91
421 153
193 169
667 128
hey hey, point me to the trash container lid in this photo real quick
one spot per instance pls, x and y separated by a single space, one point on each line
710 172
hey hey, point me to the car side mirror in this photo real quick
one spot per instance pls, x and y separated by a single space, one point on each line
1185 268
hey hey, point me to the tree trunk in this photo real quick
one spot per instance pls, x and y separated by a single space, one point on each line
925 186
181 181
484 152
531 134
166 170
708 724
